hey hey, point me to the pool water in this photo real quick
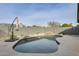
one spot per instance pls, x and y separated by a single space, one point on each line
42 45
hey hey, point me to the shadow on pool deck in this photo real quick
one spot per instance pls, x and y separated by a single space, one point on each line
10 40
71 31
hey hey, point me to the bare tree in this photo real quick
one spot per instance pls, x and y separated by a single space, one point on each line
54 24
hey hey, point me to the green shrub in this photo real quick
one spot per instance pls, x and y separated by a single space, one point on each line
67 25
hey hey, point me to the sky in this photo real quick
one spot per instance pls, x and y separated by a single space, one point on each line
38 14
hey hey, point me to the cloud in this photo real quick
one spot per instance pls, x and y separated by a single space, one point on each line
39 14
66 14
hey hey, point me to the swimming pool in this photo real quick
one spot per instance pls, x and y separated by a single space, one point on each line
37 45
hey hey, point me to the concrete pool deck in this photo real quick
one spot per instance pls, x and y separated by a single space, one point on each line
68 47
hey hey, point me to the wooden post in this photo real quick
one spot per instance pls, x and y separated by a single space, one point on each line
12 36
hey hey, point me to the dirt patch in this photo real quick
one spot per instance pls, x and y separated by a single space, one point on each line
2 33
